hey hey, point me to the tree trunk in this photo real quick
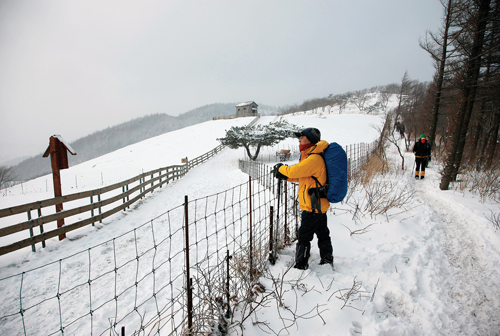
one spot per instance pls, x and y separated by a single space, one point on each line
474 68
251 156
440 78
468 97
490 152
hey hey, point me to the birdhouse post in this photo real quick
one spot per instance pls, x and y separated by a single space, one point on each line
58 150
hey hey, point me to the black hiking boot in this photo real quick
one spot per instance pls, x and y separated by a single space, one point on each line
422 177
301 267
326 260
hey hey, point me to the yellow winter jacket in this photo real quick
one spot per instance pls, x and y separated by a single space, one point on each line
309 165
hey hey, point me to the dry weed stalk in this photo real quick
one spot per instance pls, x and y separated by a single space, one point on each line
374 290
348 295
288 316
384 195
379 197
494 219
380 193
359 231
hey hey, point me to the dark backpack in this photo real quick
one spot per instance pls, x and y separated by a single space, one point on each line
335 187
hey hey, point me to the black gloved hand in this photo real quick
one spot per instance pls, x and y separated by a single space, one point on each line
276 172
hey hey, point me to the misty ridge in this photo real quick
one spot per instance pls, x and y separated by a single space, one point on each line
115 137
142 128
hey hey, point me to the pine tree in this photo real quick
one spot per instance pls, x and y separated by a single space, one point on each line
257 136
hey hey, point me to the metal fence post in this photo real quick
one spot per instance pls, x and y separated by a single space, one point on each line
228 311
251 227
188 276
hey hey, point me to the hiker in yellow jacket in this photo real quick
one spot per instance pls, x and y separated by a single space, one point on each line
314 219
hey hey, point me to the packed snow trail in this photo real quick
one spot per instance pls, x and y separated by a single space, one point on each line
470 289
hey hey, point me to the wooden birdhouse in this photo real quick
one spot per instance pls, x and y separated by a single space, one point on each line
58 150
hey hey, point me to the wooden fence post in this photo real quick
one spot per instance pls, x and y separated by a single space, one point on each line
41 225
33 249
92 210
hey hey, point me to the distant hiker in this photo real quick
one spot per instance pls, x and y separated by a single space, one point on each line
402 131
422 151
313 218
400 128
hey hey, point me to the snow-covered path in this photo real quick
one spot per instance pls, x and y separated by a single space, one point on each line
470 288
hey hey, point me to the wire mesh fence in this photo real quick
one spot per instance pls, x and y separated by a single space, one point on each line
357 155
139 280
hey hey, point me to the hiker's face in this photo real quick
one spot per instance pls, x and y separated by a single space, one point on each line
303 140
422 139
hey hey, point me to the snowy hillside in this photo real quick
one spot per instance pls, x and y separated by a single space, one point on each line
428 267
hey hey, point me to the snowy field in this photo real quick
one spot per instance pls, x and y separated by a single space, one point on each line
430 267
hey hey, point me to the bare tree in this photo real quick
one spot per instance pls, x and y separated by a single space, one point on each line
438 47
6 176
406 84
359 99
384 99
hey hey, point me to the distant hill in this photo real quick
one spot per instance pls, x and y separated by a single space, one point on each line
127 133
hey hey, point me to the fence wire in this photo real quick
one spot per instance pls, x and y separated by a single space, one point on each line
138 280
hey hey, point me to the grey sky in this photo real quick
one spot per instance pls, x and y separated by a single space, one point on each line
75 67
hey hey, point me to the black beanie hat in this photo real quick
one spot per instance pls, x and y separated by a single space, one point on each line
312 134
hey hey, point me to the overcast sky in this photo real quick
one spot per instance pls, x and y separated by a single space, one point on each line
76 67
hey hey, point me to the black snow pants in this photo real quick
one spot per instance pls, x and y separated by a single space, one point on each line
420 164
313 223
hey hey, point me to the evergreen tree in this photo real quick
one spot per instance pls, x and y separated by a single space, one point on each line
257 136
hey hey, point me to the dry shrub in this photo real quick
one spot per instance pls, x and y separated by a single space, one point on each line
494 218
439 152
378 189
485 183
373 167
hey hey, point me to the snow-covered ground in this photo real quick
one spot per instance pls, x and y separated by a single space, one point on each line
430 267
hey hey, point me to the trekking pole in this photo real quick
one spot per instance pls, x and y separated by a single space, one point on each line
280 182
271 258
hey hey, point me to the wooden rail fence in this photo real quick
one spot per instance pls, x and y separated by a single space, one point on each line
133 190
